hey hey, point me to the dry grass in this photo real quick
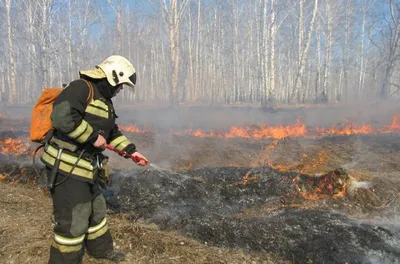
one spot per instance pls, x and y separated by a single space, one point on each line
25 230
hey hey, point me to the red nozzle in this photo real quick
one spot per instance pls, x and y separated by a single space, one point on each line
124 153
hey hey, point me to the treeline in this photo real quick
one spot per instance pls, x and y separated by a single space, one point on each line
215 51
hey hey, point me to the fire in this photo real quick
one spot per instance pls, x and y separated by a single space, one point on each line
394 127
347 130
333 184
297 129
261 131
14 146
308 164
134 129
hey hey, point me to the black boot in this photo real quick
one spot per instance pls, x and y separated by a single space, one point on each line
115 256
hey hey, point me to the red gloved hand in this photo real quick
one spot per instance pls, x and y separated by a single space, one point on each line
139 159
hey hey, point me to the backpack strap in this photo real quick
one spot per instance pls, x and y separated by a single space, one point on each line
91 92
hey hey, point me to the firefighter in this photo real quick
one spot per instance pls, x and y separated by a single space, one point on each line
83 120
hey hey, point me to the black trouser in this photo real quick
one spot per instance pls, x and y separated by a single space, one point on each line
80 216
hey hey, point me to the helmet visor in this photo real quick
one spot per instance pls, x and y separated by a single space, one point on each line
132 78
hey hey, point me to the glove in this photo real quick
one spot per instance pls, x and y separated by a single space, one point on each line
105 174
139 159
130 149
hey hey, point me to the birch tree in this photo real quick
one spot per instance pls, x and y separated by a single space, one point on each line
346 52
44 40
362 50
328 50
10 36
303 50
172 13
392 48
197 80
273 33
265 54
116 6
318 66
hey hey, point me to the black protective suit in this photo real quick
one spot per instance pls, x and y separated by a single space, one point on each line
79 207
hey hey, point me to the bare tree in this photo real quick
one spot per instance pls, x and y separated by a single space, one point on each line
44 40
13 73
346 52
318 66
172 13
273 32
265 54
117 8
303 53
328 50
362 50
392 49
223 51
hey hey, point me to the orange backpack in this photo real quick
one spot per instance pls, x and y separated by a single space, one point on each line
41 123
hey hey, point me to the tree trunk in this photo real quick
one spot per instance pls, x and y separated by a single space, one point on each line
319 68
346 51
235 75
265 55
361 73
328 46
271 96
393 48
304 53
13 70
198 79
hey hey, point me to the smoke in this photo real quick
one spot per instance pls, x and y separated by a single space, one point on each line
207 204
203 201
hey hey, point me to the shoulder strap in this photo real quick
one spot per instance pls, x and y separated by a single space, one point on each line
91 91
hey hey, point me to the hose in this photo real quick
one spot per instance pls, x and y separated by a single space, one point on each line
70 172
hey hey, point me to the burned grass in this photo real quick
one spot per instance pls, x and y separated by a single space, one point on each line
264 201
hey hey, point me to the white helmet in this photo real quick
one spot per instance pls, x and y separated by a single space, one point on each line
117 69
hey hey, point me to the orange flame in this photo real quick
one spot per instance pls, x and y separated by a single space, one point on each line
298 129
394 127
347 130
133 128
308 164
14 146
257 132
317 188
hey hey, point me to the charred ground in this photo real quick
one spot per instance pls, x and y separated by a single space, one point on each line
331 199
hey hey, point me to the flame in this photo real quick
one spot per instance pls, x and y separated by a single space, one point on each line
14 146
261 131
322 187
347 130
297 129
134 129
318 187
307 164
394 127
247 178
